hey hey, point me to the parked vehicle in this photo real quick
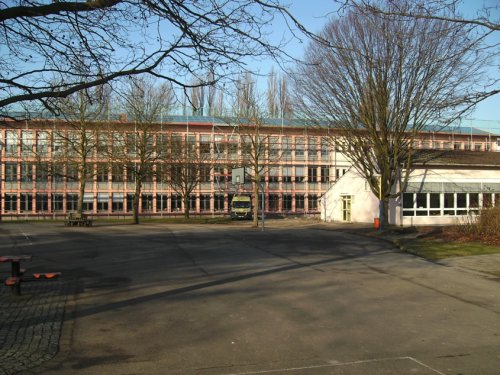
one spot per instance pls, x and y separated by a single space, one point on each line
241 207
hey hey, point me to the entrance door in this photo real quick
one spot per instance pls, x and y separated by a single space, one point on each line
346 208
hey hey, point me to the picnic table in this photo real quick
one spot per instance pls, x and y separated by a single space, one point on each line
17 273
77 219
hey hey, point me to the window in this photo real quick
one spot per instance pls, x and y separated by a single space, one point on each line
26 172
57 202
205 173
10 202
287 174
130 202
131 172
434 204
299 202
312 202
478 146
26 202
147 202
72 172
205 145
286 146
42 172
102 202
88 202
27 143
408 204
325 148
312 174
313 148
117 173
71 202
10 172
102 172
325 173
457 146
300 174
11 141
299 148
204 202
192 202
57 144
161 202
274 202
287 202
176 203
274 174
117 202
131 142
42 202
273 147
219 202
474 202
449 204
57 173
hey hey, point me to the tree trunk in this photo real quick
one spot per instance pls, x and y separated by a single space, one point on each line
384 219
186 206
256 203
137 195
79 206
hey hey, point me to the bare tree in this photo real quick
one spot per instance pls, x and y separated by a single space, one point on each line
181 164
144 102
74 145
259 148
483 23
44 43
279 101
382 79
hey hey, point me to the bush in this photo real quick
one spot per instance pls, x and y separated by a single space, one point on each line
486 223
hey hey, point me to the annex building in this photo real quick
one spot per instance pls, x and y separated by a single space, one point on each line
307 167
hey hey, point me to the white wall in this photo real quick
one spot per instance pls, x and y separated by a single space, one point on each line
365 204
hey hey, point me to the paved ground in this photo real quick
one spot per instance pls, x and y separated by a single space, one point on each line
179 299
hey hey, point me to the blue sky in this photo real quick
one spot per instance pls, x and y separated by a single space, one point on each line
314 13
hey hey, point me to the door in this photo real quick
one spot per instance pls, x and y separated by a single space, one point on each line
346 208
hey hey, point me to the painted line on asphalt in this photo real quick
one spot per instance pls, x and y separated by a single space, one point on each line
340 364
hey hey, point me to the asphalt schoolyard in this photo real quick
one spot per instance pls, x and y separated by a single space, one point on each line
298 298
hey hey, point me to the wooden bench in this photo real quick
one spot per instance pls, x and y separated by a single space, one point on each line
76 219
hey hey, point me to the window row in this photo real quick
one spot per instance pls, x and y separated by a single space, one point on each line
103 172
443 204
158 203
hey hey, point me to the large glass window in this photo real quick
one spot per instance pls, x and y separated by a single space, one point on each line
176 203
26 202
42 202
10 172
57 202
117 202
26 172
147 202
10 202
204 202
299 202
102 202
71 202
312 202
161 202
287 202
219 202
11 142
325 173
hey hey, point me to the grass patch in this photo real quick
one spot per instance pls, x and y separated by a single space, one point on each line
435 250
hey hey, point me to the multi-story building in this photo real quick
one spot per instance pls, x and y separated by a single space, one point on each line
305 165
